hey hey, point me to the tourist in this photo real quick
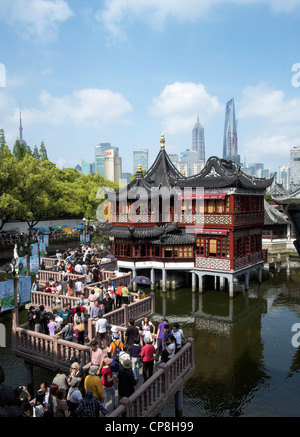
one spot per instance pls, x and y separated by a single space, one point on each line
9 404
78 307
82 299
126 379
114 350
76 371
64 284
74 395
148 328
92 297
44 320
108 382
164 342
119 296
88 276
96 274
170 347
125 295
111 291
34 318
67 331
35 285
134 351
148 355
124 353
64 314
95 310
99 292
44 386
78 268
93 383
97 356
79 327
70 287
52 396
60 406
108 303
47 288
179 336
90 406
52 325
61 380
78 287
38 405
131 333
159 335
58 320
101 331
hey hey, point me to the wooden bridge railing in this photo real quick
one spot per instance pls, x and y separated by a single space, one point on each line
49 351
150 398
120 317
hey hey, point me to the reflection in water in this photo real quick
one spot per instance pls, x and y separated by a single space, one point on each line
246 364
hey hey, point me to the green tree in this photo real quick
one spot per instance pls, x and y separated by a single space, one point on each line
36 153
43 151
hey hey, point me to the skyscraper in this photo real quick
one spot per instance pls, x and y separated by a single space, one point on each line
140 156
230 142
100 150
198 143
295 167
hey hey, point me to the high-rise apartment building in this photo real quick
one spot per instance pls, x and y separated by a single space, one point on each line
113 165
295 167
198 143
230 140
140 156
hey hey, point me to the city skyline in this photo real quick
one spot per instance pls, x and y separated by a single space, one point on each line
123 72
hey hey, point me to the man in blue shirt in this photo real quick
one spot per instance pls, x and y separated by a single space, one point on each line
95 310
64 314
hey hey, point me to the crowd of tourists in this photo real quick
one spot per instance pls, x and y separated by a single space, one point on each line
114 372
116 357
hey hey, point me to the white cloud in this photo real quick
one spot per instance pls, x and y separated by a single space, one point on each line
35 18
155 12
180 103
270 104
274 121
87 107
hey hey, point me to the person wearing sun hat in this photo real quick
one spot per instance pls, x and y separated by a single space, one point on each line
92 383
126 379
108 382
74 395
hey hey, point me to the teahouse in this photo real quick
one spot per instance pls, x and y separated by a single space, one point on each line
208 224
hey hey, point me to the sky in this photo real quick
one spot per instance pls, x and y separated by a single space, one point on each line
86 72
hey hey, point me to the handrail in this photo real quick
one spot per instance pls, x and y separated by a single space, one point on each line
153 394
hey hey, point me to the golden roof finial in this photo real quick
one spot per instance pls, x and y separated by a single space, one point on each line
139 167
162 141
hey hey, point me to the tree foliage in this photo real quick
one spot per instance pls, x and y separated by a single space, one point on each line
33 188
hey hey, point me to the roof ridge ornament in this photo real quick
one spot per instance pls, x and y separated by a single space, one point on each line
162 141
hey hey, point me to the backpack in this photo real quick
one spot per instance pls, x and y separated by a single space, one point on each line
117 351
